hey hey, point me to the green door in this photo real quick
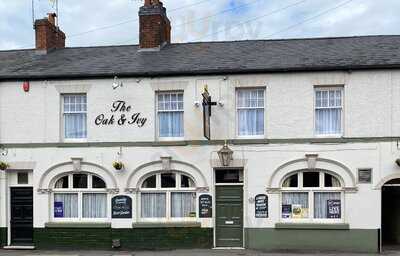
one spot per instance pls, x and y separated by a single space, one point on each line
229 216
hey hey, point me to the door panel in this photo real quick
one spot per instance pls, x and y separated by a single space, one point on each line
21 216
229 216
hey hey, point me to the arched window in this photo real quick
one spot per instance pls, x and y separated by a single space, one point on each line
168 196
311 195
79 196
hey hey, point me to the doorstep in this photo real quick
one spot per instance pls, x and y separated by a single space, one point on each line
19 247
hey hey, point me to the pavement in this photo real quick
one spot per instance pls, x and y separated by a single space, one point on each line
176 253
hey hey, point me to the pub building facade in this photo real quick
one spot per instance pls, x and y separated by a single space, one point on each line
266 144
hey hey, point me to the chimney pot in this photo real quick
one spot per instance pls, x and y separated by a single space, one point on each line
52 18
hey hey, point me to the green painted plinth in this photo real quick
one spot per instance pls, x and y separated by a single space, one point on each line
3 237
130 239
351 240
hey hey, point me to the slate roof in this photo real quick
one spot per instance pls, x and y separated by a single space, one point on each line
235 57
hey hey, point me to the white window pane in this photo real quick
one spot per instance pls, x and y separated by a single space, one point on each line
150 182
324 98
98 182
295 205
338 98
331 98
80 181
94 205
186 182
291 181
183 205
321 204
331 181
250 122
170 124
65 205
328 121
168 180
63 182
153 205
75 126
318 99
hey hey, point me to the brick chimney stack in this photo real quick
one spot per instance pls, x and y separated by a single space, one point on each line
154 26
48 34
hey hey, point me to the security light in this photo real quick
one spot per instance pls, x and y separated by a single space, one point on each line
116 83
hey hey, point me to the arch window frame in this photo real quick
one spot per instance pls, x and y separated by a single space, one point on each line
168 191
311 196
79 192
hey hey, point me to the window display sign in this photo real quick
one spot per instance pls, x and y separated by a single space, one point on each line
205 206
261 206
333 209
286 211
121 207
58 210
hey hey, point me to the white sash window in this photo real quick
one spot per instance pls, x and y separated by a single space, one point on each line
75 116
170 114
79 196
315 196
168 196
250 111
328 111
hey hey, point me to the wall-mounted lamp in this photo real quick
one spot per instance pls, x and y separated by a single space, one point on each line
225 78
138 81
116 83
225 155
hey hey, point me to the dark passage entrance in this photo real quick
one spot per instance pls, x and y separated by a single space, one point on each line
21 216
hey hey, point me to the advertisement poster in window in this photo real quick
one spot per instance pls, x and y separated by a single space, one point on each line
261 206
297 211
58 210
286 211
121 207
205 206
333 209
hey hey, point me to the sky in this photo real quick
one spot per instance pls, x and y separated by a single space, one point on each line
115 22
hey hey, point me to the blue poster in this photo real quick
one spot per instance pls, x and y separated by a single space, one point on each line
58 210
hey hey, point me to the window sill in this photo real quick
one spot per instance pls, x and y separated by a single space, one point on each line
166 225
78 225
325 226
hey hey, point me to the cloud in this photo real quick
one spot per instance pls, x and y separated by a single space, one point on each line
196 20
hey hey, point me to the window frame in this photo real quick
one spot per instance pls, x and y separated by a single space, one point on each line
237 108
79 192
177 92
168 192
311 197
62 117
342 119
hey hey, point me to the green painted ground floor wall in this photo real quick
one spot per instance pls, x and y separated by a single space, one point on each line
131 239
354 240
266 239
3 236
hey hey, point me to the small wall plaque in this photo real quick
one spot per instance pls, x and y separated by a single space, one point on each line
365 176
